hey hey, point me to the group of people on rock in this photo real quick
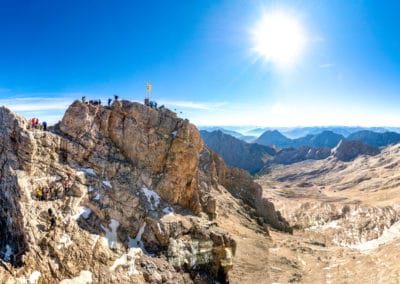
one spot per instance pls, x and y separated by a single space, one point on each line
54 191
98 102
47 193
38 125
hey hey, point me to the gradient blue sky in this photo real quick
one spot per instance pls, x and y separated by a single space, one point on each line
199 57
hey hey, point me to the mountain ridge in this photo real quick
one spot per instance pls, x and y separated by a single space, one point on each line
324 139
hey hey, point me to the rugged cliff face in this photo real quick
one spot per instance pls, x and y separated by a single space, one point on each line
133 199
163 148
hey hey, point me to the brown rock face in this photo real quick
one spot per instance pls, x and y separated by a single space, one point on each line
242 186
156 142
12 232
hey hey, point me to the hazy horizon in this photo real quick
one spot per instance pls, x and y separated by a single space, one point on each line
234 62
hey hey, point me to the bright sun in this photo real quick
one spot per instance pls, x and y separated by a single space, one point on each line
279 38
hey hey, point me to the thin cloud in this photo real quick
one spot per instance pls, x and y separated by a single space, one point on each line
36 104
41 102
192 105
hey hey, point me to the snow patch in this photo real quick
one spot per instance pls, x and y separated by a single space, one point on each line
34 277
86 212
174 133
152 197
55 262
8 253
84 277
329 225
388 235
111 236
137 241
168 211
53 178
82 211
107 183
135 250
88 171
65 241
97 197
334 150
128 260
91 188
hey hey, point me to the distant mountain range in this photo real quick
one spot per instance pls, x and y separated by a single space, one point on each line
254 157
252 132
342 130
324 139
328 139
236 134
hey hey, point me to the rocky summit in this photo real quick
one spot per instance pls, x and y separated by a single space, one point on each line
121 194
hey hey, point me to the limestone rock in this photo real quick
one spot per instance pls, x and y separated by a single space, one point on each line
132 188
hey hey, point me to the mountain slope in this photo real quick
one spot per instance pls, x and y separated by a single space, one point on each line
289 156
324 139
250 157
349 150
274 138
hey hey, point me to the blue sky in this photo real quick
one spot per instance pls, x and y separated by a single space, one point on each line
200 59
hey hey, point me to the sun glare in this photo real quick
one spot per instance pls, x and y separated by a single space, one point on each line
279 38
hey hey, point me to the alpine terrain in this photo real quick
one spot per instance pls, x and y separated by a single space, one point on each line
125 194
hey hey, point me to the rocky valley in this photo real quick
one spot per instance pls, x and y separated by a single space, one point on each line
345 217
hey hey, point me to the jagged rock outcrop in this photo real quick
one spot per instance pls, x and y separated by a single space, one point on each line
154 141
349 150
134 198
